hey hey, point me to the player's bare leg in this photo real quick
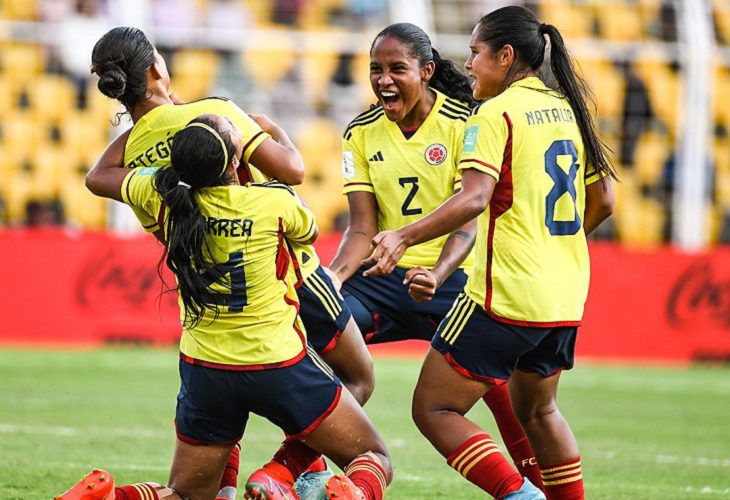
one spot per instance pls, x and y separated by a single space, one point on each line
351 361
533 399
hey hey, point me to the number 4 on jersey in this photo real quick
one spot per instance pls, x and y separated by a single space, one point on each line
564 183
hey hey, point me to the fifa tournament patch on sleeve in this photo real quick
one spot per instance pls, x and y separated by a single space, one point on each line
470 139
348 165
147 171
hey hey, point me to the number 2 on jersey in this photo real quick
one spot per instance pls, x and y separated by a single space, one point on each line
406 207
564 182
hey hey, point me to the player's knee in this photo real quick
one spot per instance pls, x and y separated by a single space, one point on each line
533 411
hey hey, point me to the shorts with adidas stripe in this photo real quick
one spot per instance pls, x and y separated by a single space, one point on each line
323 311
482 348
213 405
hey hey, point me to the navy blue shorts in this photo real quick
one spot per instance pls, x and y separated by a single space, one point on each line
323 311
385 312
484 349
213 404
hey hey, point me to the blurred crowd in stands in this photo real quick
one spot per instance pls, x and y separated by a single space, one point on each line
305 64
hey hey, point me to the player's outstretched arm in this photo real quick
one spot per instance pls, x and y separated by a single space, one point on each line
106 176
599 203
389 246
423 283
355 244
278 158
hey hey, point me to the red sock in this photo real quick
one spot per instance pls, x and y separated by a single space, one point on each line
319 465
139 491
479 460
513 435
230 474
295 457
369 476
563 481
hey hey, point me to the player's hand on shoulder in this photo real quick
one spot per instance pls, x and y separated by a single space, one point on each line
263 121
175 99
335 279
387 249
422 284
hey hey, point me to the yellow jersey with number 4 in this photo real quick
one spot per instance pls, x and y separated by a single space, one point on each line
258 324
409 177
531 258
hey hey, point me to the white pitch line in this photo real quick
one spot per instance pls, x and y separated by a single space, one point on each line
667 459
707 490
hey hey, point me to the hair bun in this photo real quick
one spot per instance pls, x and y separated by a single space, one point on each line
112 80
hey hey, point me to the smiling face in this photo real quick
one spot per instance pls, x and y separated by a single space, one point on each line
488 68
397 79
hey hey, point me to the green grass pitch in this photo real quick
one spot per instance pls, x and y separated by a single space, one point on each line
644 432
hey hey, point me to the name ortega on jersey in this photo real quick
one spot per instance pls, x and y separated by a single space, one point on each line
436 154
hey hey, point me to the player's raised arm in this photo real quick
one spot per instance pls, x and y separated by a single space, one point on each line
106 176
277 158
389 246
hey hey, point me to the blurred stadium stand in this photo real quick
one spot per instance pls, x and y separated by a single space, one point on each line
305 63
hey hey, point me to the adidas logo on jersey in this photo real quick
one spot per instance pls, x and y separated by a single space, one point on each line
377 157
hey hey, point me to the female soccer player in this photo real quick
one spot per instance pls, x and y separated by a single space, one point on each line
242 349
399 164
132 71
531 165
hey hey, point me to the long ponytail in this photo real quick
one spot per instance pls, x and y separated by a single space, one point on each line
577 92
198 159
450 80
518 27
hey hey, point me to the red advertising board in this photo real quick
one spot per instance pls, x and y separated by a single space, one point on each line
67 288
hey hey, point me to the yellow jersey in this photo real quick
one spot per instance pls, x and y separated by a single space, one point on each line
258 327
305 259
531 258
410 177
149 142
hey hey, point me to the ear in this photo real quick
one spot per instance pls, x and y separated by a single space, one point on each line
427 71
156 71
506 56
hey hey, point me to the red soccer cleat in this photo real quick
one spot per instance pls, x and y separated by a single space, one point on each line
261 486
341 487
96 485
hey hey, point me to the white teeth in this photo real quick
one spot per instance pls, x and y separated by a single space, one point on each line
387 93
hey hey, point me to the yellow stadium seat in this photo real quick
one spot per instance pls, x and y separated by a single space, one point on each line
269 64
722 97
22 133
193 73
722 19
51 97
17 194
261 11
651 153
81 132
608 87
619 21
319 144
82 208
23 63
19 10
318 67
573 20
664 91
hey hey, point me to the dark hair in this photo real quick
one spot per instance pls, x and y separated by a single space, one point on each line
197 160
447 77
121 58
518 27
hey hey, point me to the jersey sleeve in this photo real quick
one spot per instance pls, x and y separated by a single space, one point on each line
139 193
355 169
299 223
591 175
485 138
252 134
457 148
